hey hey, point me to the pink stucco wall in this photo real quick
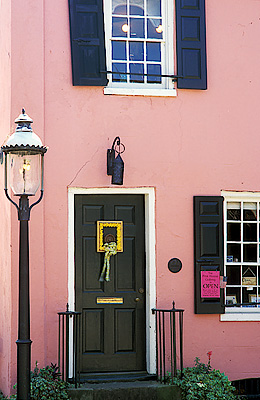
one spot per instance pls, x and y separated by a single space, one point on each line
197 143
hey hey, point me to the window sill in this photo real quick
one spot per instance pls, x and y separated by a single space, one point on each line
141 92
240 316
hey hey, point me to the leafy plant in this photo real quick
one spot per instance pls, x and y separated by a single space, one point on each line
201 382
46 384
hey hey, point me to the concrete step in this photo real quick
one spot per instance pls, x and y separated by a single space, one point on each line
139 390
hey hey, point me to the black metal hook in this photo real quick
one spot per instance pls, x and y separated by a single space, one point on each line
115 165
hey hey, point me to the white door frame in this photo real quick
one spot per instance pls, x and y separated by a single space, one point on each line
149 196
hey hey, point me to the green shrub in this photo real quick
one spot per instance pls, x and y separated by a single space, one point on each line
201 382
46 384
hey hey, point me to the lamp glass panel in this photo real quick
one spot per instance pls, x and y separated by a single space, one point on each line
24 173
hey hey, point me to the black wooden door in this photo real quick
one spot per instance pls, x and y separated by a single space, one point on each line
112 335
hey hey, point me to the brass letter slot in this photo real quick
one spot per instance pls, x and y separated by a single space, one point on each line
110 300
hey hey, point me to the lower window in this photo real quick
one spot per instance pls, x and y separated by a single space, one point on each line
242 252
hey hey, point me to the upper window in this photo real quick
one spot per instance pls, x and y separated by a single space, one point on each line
129 44
137 36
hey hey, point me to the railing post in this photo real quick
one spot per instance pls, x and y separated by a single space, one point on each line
63 350
165 339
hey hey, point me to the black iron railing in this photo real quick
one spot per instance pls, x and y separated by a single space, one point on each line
69 328
169 342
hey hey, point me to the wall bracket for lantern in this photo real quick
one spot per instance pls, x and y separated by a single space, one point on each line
115 165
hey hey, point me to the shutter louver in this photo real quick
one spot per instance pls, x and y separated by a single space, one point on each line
87 42
191 44
208 249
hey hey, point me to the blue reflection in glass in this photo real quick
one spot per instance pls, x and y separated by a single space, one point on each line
119 7
119 50
121 69
154 8
153 51
154 28
117 23
136 69
136 51
154 69
136 7
136 27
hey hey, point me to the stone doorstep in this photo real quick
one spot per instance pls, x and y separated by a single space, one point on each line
125 391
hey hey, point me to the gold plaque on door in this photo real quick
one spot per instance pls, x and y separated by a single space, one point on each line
110 300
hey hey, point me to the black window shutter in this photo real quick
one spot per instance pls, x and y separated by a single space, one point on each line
208 249
87 42
191 44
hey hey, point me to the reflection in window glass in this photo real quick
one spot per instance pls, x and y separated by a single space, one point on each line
234 211
249 212
153 51
136 27
136 51
136 69
250 232
154 69
118 50
136 7
154 8
119 7
118 27
122 69
154 28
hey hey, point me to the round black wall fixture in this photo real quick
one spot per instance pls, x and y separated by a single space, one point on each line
175 265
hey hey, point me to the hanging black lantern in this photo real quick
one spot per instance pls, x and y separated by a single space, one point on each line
115 165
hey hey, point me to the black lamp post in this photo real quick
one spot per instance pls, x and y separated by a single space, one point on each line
24 155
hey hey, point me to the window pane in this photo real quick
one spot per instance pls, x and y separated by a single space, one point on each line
249 211
154 8
136 7
233 295
139 69
234 252
121 76
119 7
250 273
119 26
234 211
234 232
153 51
249 295
233 275
250 251
136 27
136 51
156 70
154 28
119 50
250 232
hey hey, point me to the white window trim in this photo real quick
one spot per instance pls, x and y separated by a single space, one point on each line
238 314
167 90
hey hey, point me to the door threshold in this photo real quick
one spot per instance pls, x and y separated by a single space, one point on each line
96 377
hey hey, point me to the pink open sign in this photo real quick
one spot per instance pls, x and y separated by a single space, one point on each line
210 284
